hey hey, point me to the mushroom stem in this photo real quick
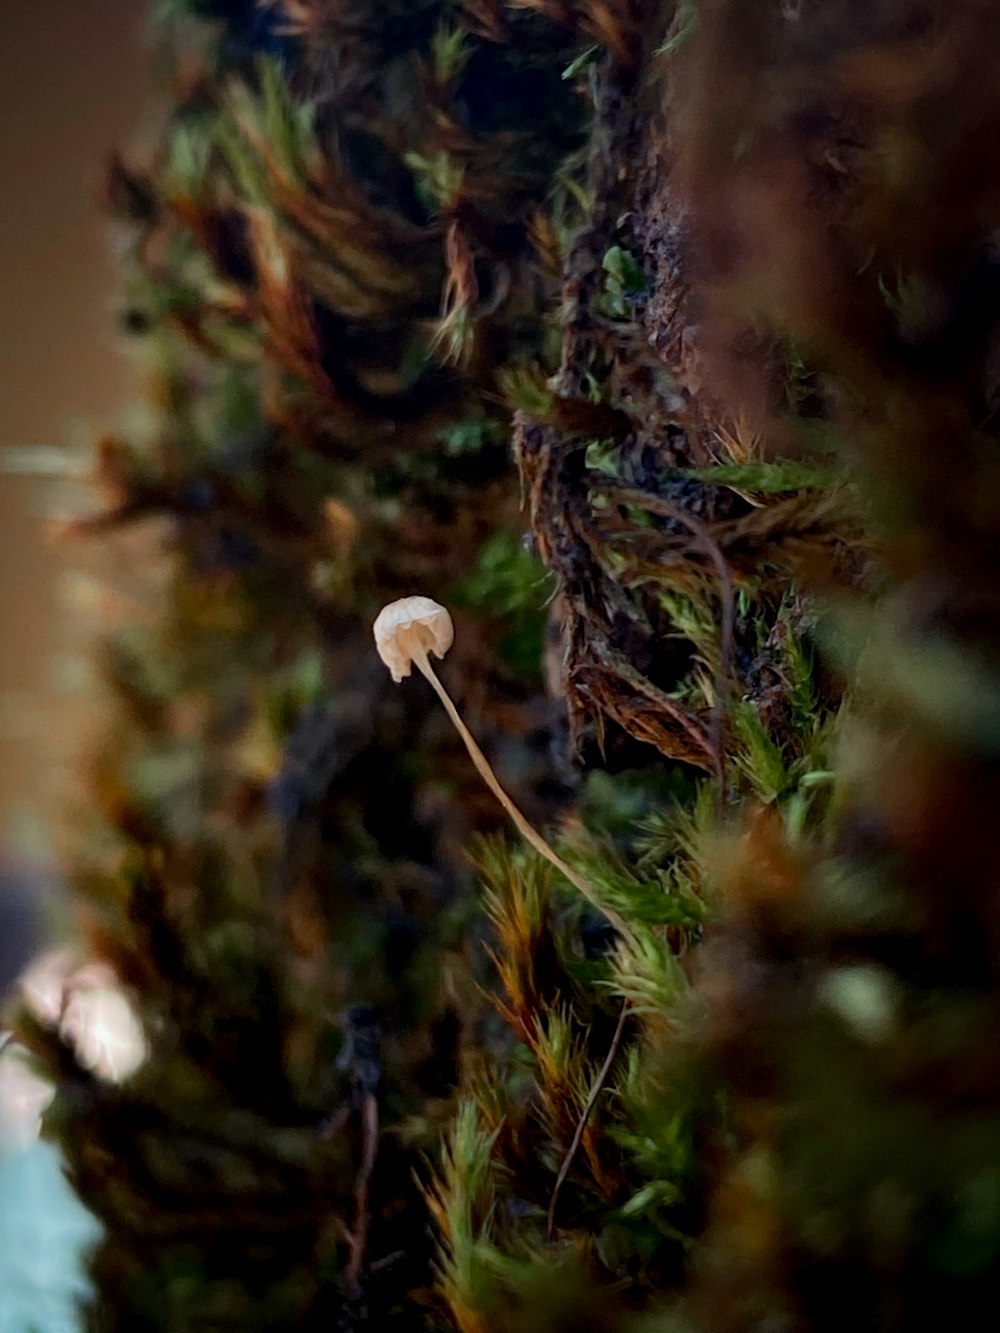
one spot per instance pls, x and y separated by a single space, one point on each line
521 824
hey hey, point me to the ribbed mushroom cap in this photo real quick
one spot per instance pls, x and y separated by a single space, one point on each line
408 626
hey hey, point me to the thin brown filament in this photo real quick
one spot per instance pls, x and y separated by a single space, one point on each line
520 823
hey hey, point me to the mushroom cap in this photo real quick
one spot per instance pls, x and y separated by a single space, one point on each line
409 626
100 1023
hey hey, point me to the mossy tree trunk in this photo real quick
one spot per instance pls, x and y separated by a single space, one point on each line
721 276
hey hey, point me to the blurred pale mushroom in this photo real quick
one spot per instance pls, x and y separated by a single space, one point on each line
405 632
91 1010
101 1025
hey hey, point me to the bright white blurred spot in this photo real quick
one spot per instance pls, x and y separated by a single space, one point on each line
865 996
100 1024
24 1096
91 1010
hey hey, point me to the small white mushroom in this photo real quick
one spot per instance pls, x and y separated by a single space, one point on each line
405 632
411 627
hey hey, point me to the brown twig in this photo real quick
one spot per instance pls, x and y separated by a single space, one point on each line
358 1238
592 1097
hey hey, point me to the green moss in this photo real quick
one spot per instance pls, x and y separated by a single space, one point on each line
509 588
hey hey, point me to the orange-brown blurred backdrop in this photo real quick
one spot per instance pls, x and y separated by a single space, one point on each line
74 80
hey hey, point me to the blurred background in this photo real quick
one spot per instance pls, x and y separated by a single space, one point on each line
74 83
